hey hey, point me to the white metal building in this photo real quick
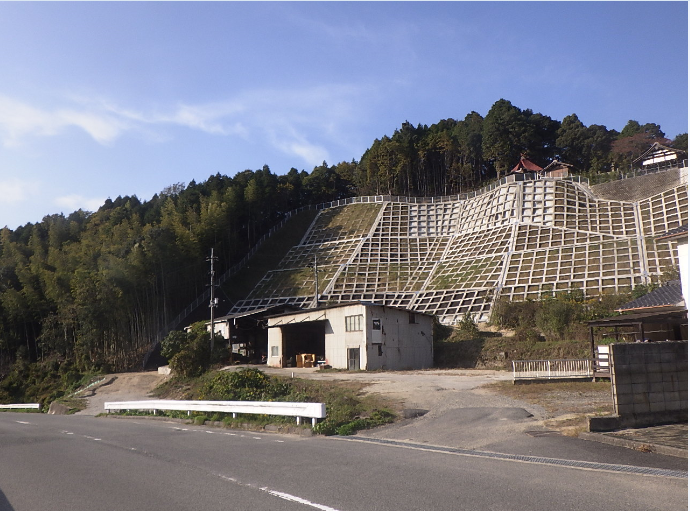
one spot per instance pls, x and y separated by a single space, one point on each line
353 336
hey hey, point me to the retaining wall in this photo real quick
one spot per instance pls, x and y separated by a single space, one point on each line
650 382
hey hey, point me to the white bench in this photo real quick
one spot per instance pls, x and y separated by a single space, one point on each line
314 411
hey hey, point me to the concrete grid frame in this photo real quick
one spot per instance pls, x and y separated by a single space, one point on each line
451 256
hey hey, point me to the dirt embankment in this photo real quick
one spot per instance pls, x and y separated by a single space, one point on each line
119 387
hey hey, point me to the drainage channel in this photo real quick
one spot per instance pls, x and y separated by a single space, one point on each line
629 469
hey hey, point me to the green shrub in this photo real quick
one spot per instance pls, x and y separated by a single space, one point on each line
173 343
187 363
467 328
527 334
248 384
555 317
189 353
509 314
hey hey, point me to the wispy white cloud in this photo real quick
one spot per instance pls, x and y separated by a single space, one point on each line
15 191
298 122
19 120
70 203
304 122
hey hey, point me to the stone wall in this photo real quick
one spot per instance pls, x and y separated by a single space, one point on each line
640 187
650 381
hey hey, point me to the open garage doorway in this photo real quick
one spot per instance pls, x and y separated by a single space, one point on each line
308 337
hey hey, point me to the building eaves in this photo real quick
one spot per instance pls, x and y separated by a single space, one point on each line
678 315
678 232
555 164
656 146
527 165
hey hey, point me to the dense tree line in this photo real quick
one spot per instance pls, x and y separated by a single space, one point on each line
96 288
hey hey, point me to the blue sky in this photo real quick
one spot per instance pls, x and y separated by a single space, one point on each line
106 98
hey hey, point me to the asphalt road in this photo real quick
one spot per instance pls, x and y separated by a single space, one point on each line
78 463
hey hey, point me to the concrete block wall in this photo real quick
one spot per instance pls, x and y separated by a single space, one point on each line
650 380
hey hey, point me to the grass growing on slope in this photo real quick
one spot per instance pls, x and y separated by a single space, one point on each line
269 255
347 409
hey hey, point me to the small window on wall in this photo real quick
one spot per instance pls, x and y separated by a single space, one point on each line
354 323
412 317
274 351
376 325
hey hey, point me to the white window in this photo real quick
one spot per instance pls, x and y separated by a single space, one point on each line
275 351
354 323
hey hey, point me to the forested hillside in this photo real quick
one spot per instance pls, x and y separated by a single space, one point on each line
96 288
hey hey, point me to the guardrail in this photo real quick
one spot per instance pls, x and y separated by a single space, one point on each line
314 411
552 369
22 406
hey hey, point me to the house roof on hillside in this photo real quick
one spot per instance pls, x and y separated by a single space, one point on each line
557 165
525 166
658 149
672 315
678 232
668 295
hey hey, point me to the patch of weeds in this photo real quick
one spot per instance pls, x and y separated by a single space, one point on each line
345 404
378 418
74 404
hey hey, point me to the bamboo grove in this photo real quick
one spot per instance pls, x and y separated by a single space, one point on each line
96 288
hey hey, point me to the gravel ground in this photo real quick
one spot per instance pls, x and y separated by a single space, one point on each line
457 407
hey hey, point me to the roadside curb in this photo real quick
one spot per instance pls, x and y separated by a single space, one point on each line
268 428
634 444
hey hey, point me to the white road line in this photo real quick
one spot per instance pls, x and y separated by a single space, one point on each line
23 422
279 494
292 498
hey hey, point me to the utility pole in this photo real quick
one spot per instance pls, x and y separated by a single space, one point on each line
316 281
213 302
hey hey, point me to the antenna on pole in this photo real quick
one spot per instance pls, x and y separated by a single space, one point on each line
214 301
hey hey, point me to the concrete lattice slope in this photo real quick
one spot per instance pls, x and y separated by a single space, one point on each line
454 255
